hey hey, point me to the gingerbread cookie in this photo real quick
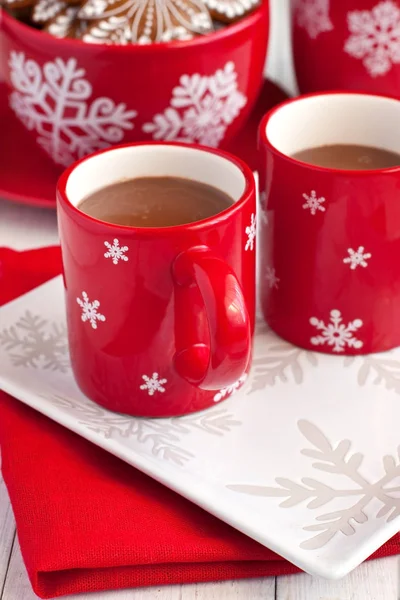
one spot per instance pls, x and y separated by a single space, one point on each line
228 11
65 24
45 10
144 21
16 6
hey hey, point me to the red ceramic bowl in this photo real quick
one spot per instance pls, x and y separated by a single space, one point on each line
76 98
347 44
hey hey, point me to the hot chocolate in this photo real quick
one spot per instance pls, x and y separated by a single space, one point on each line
155 202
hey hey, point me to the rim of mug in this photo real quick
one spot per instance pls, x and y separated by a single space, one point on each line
246 23
353 172
236 206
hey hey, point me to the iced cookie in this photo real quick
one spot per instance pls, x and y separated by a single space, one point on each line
144 21
65 24
44 10
229 11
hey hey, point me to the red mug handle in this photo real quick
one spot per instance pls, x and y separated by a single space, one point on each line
225 359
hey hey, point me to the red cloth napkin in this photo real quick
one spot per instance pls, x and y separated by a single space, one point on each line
87 521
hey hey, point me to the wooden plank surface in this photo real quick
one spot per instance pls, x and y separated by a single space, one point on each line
7 533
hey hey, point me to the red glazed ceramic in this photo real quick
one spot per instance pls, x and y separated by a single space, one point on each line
76 97
160 320
330 243
347 44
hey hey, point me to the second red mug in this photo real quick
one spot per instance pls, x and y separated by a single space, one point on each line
160 320
330 238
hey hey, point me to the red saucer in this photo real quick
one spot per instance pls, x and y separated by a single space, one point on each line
29 177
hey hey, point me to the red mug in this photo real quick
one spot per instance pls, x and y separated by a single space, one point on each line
347 44
160 320
330 239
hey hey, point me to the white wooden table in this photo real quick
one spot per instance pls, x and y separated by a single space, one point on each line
23 228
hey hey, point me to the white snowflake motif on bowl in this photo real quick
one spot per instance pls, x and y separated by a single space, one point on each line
201 108
231 389
375 37
313 16
55 101
153 384
357 258
251 232
336 334
314 203
115 251
90 310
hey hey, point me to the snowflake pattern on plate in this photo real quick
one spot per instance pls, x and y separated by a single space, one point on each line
54 100
251 232
90 310
334 459
375 37
313 16
313 203
357 258
153 384
36 343
271 278
335 333
228 391
115 251
201 108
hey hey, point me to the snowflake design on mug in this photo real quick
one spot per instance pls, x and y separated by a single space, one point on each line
231 389
116 252
357 258
251 232
90 310
153 384
335 333
271 278
313 16
201 108
375 37
313 202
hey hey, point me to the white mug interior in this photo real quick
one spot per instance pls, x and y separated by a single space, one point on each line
337 118
130 162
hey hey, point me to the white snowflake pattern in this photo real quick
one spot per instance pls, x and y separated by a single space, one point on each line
313 202
251 232
336 333
36 343
357 258
375 37
54 100
313 16
208 105
347 467
271 278
153 384
228 391
89 310
116 252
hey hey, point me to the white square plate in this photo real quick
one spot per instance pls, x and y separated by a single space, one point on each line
304 458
